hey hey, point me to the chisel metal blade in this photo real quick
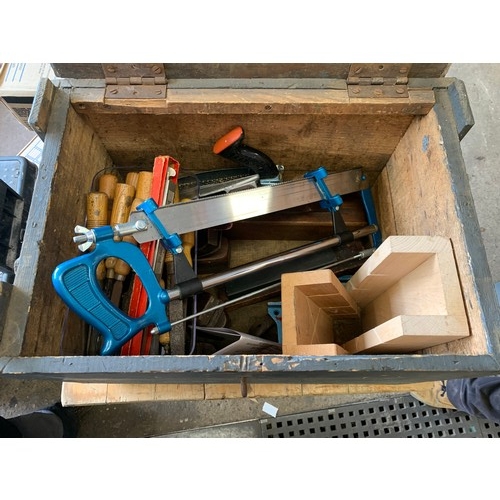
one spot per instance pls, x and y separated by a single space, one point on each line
214 211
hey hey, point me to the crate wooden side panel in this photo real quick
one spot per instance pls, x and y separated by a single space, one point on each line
51 329
81 394
299 128
422 202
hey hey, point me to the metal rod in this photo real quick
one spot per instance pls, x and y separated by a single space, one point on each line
364 254
237 272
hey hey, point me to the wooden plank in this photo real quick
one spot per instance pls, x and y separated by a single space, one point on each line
77 393
418 175
250 101
407 334
410 296
73 177
41 108
247 70
381 191
396 258
83 394
300 141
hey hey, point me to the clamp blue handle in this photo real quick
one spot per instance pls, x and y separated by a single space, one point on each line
329 201
76 283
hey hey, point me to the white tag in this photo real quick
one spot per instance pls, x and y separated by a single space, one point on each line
270 409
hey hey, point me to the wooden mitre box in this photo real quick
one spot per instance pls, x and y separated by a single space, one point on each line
406 297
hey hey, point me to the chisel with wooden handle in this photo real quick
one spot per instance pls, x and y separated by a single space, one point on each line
97 216
117 270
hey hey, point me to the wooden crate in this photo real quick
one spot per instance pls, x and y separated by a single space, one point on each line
406 138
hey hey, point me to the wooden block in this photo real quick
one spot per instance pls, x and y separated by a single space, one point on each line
407 334
407 294
410 297
84 394
311 303
394 259
76 393
313 350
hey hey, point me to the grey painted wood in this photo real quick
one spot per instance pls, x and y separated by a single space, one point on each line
22 292
246 70
446 108
383 369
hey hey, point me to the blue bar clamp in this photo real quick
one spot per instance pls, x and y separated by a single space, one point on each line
333 202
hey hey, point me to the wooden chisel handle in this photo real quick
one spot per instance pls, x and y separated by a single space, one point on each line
97 216
123 198
143 189
107 185
97 210
131 179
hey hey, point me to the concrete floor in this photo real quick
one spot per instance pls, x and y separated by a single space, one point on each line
481 151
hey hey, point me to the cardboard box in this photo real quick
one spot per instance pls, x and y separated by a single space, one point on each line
18 86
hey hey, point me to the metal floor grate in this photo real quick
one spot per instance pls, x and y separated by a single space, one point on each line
400 417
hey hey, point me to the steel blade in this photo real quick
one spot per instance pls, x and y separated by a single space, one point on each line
214 211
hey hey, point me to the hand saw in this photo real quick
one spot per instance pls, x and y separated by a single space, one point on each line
76 283
214 211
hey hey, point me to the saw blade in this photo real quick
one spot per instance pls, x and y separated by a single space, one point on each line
215 211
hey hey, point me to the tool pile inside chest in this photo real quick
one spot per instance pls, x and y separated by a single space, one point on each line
255 173
221 306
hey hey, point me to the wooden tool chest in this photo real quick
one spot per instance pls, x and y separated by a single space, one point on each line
401 123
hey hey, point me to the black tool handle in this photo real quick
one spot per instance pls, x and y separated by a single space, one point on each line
231 146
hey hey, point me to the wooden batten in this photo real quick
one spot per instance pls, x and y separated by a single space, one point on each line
82 394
